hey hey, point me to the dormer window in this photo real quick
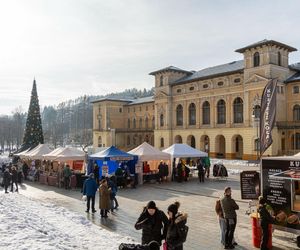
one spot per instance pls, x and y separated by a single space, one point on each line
205 86
192 88
279 58
161 81
256 59
220 84
237 80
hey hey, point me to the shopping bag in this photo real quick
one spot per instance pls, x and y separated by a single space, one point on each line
84 198
165 246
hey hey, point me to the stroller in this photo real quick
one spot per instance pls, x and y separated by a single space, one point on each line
219 170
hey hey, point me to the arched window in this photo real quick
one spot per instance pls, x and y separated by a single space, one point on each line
296 113
161 81
192 114
128 123
296 141
256 111
238 110
179 115
134 123
153 122
141 123
206 113
162 142
161 120
256 59
146 123
221 112
279 58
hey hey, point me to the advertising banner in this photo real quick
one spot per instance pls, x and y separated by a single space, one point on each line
250 185
267 115
282 192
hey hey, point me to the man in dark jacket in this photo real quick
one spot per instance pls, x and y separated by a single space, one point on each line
154 224
201 170
265 220
6 179
89 189
14 179
229 206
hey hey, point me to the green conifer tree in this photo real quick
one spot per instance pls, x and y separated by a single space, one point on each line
33 131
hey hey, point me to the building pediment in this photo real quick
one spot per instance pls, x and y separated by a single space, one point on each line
256 78
161 94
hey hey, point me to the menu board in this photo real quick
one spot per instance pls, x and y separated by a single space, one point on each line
277 190
250 185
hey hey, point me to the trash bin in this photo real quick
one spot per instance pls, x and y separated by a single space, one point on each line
256 231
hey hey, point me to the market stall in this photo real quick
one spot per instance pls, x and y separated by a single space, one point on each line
182 150
149 156
110 159
55 160
280 181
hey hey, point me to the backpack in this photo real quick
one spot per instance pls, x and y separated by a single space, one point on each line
183 231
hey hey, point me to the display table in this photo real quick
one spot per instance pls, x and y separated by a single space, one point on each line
43 179
52 180
149 177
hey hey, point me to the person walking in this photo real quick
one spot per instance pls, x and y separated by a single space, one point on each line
180 171
153 222
265 220
177 229
104 198
206 163
201 171
67 176
111 183
160 172
229 206
14 179
6 179
89 189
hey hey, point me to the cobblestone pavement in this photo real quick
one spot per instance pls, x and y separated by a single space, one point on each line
197 199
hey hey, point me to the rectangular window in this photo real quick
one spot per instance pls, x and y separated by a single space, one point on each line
296 90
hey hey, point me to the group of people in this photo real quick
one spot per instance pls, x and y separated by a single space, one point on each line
10 178
226 210
157 227
107 194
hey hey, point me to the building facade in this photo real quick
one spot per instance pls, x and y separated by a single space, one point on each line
216 109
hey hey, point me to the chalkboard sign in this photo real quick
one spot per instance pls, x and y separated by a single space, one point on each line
250 185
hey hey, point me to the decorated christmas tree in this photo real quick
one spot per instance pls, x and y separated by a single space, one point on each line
33 131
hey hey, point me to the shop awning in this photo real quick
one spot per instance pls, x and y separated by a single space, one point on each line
113 154
146 152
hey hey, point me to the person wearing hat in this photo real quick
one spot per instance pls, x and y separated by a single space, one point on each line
6 179
89 189
265 220
228 207
153 222
177 230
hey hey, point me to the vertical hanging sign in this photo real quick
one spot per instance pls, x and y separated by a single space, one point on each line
267 115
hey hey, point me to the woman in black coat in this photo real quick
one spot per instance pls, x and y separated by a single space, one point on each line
154 224
6 179
177 229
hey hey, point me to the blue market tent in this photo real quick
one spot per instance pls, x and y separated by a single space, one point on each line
109 159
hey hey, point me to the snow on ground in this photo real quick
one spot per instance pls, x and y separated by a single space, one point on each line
29 224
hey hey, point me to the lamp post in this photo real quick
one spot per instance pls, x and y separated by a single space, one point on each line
256 124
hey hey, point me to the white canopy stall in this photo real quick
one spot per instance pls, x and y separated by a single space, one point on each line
37 153
184 151
152 155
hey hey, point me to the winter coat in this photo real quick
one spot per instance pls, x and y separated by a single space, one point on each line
104 197
14 175
161 169
114 189
6 178
67 172
152 226
229 206
206 162
200 168
265 217
90 187
175 237
218 209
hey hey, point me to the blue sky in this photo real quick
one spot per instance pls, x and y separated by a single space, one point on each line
77 47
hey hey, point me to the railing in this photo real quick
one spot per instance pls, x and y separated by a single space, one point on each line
126 130
288 125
